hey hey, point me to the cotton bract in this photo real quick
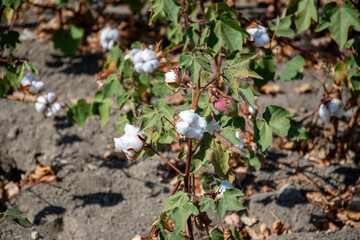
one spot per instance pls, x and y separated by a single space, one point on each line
29 81
144 60
46 104
259 35
190 125
131 143
108 37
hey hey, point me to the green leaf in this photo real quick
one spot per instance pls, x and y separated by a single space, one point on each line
68 40
174 33
60 3
193 61
262 134
207 203
247 93
9 40
121 121
281 27
338 19
216 234
265 67
278 119
220 160
179 208
293 70
170 7
17 216
135 5
229 134
203 155
253 159
171 236
229 202
12 3
297 133
304 11
79 112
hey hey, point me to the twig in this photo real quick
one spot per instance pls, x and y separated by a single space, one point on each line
195 103
13 21
177 185
274 215
163 158
172 49
317 185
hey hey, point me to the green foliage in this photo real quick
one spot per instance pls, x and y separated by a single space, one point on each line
304 11
216 234
281 27
193 61
247 93
237 68
17 216
207 203
203 155
293 70
265 67
12 3
79 112
60 3
68 40
170 7
229 202
338 19
9 40
178 207
101 106
220 160
297 133
171 236
277 121
253 159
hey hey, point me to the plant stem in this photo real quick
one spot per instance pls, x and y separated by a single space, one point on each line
163 158
173 49
186 187
13 21
177 185
195 103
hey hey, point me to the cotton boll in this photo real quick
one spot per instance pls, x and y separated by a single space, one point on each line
170 77
127 56
104 32
148 55
148 67
134 51
238 136
55 107
261 30
47 112
251 110
154 63
253 32
338 113
223 186
42 99
113 34
188 116
137 58
25 82
139 68
324 113
129 153
51 97
40 107
119 143
36 87
334 105
133 142
262 40
201 122
130 130
194 132
182 127
211 127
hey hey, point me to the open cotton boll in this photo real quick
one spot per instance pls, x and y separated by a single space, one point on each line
139 68
148 67
201 122
170 76
222 188
47 112
211 127
40 107
182 127
194 132
133 142
55 107
154 63
130 130
262 40
251 110
334 105
36 87
188 116
148 55
137 57
324 113
238 136
42 99
51 97
338 113
253 32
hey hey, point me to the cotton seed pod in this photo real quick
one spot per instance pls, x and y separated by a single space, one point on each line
334 105
227 106
324 113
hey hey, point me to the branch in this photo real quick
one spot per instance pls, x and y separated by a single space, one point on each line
163 158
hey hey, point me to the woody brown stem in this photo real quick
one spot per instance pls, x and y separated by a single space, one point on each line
189 231
163 158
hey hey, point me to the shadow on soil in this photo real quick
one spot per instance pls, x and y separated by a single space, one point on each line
104 199
50 210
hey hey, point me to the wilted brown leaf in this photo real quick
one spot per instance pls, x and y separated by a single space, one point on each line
1 190
137 237
12 190
227 234
270 89
303 88
232 220
249 221
278 227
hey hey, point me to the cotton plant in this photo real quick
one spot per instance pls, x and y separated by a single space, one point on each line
108 37
132 142
145 61
32 85
47 104
329 109
259 34
190 125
